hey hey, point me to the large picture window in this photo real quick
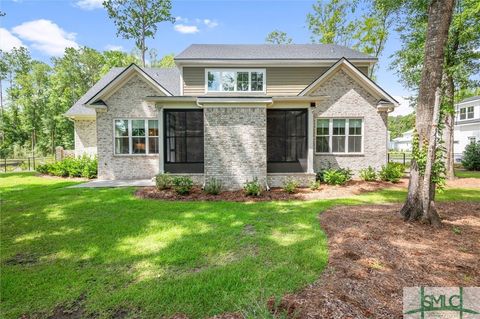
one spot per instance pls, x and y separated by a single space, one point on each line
339 135
183 141
224 80
136 136
286 140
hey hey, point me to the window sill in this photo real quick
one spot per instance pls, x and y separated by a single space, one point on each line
341 154
135 155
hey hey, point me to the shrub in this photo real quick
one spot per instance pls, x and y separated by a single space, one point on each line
290 186
338 176
368 174
252 188
471 157
314 185
163 181
84 166
182 185
213 186
392 172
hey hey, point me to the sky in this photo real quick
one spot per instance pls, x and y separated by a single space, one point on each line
46 27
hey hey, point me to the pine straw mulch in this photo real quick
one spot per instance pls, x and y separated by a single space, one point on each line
374 254
324 192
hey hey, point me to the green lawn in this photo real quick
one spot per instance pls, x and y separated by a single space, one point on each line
155 258
467 174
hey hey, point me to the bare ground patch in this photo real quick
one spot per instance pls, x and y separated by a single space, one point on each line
324 192
374 254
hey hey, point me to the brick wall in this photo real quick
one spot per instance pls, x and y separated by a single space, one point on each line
235 145
85 137
345 98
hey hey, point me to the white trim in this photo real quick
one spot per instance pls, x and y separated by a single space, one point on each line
161 164
130 137
468 102
369 84
310 141
221 70
124 75
330 135
181 81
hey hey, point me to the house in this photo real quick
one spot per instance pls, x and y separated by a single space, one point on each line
236 113
467 125
402 143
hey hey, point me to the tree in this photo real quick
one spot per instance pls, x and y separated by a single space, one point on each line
420 206
167 61
329 23
278 37
138 19
397 125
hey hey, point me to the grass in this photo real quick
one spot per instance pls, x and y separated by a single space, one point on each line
154 258
467 174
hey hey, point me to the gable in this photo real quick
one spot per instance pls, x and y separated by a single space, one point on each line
353 73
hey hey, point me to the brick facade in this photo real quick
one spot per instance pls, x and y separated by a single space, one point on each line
126 103
85 137
346 98
235 145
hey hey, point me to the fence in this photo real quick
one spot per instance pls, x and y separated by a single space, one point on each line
23 164
400 157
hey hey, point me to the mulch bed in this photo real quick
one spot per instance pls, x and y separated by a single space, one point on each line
324 192
374 254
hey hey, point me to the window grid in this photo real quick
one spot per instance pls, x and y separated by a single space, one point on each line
256 80
339 133
466 113
146 136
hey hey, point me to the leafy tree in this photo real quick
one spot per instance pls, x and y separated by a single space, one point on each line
278 37
397 125
167 61
114 59
138 19
471 157
421 191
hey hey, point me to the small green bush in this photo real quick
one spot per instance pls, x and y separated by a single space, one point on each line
252 188
392 172
368 174
182 185
163 181
84 166
471 157
314 185
213 186
338 176
290 185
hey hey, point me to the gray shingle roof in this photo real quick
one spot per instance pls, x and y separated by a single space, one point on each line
270 52
168 78
468 99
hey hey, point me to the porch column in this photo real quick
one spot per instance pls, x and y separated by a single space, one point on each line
161 149
310 140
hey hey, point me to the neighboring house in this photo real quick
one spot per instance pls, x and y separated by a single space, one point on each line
236 113
467 125
402 143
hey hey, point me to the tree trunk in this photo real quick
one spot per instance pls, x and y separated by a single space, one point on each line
439 19
448 137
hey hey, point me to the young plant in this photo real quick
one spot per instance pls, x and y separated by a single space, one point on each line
392 172
252 188
471 157
368 174
290 186
314 185
213 186
338 176
182 185
163 181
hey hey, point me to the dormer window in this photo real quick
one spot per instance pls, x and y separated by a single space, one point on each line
241 80
466 113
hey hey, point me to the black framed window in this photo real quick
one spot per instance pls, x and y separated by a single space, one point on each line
287 140
183 134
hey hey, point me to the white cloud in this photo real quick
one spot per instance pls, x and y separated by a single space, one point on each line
8 41
181 19
404 108
186 29
113 47
209 23
45 36
89 4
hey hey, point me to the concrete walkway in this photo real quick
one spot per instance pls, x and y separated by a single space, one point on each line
116 183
